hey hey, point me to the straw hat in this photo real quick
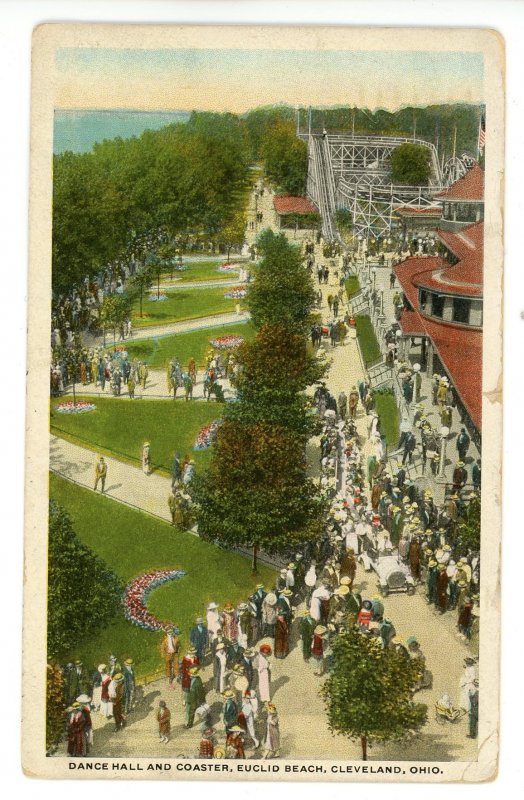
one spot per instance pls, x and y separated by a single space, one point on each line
320 630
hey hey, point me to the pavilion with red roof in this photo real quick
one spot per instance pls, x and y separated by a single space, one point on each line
443 297
295 212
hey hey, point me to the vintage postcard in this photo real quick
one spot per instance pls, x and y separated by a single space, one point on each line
264 417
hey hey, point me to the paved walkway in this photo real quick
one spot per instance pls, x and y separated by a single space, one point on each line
184 326
125 482
156 388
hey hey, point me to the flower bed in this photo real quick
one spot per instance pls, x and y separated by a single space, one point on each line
80 407
226 342
206 435
228 266
137 592
237 292
153 298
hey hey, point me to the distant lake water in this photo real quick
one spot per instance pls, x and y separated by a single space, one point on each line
79 130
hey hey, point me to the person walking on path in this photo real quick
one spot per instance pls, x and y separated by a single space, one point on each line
272 732
146 465
170 648
195 697
100 473
164 721
463 442
353 402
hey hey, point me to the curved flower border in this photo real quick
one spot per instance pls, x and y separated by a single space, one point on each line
226 342
206 435
227 266
80 407
153 298
137 592
237 292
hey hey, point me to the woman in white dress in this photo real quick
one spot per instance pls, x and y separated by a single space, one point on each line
264 674
146 469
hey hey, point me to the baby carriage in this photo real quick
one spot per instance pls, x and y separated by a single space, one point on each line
445 711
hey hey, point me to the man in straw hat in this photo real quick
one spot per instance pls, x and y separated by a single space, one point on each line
129 685
100 473
198 636
431 581
317 648
116 696
195 697
269 613
170 648
307 626
235 743
230 709
189 660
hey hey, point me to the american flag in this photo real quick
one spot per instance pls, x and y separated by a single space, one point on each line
482 134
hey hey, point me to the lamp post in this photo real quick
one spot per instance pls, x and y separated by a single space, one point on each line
374 273
400 354
444 433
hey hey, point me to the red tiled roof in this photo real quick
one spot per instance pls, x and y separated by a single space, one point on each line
459 348
289 204
411 322
433 211
469 187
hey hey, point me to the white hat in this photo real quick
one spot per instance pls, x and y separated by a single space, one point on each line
212 606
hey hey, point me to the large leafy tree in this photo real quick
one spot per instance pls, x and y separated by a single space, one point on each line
369 692
410 164
283 293
285 157
83 594
256 492
185 178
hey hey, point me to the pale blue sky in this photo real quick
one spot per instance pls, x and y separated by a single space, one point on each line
236 80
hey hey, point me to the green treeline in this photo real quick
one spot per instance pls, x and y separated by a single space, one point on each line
434 123
184 178
192 179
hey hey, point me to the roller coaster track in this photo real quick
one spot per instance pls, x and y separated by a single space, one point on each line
353 172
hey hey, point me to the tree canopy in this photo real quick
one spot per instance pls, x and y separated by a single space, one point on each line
369 691
188 178
83 594
410 164
285 157
257 492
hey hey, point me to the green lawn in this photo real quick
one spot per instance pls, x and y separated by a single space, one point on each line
158 351
183 304
202 271
387 411
131 543
368 341
352 286
120 428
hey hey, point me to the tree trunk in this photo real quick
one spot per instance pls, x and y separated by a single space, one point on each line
74 393
254 561
364 743
141 300
228 252
158 286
